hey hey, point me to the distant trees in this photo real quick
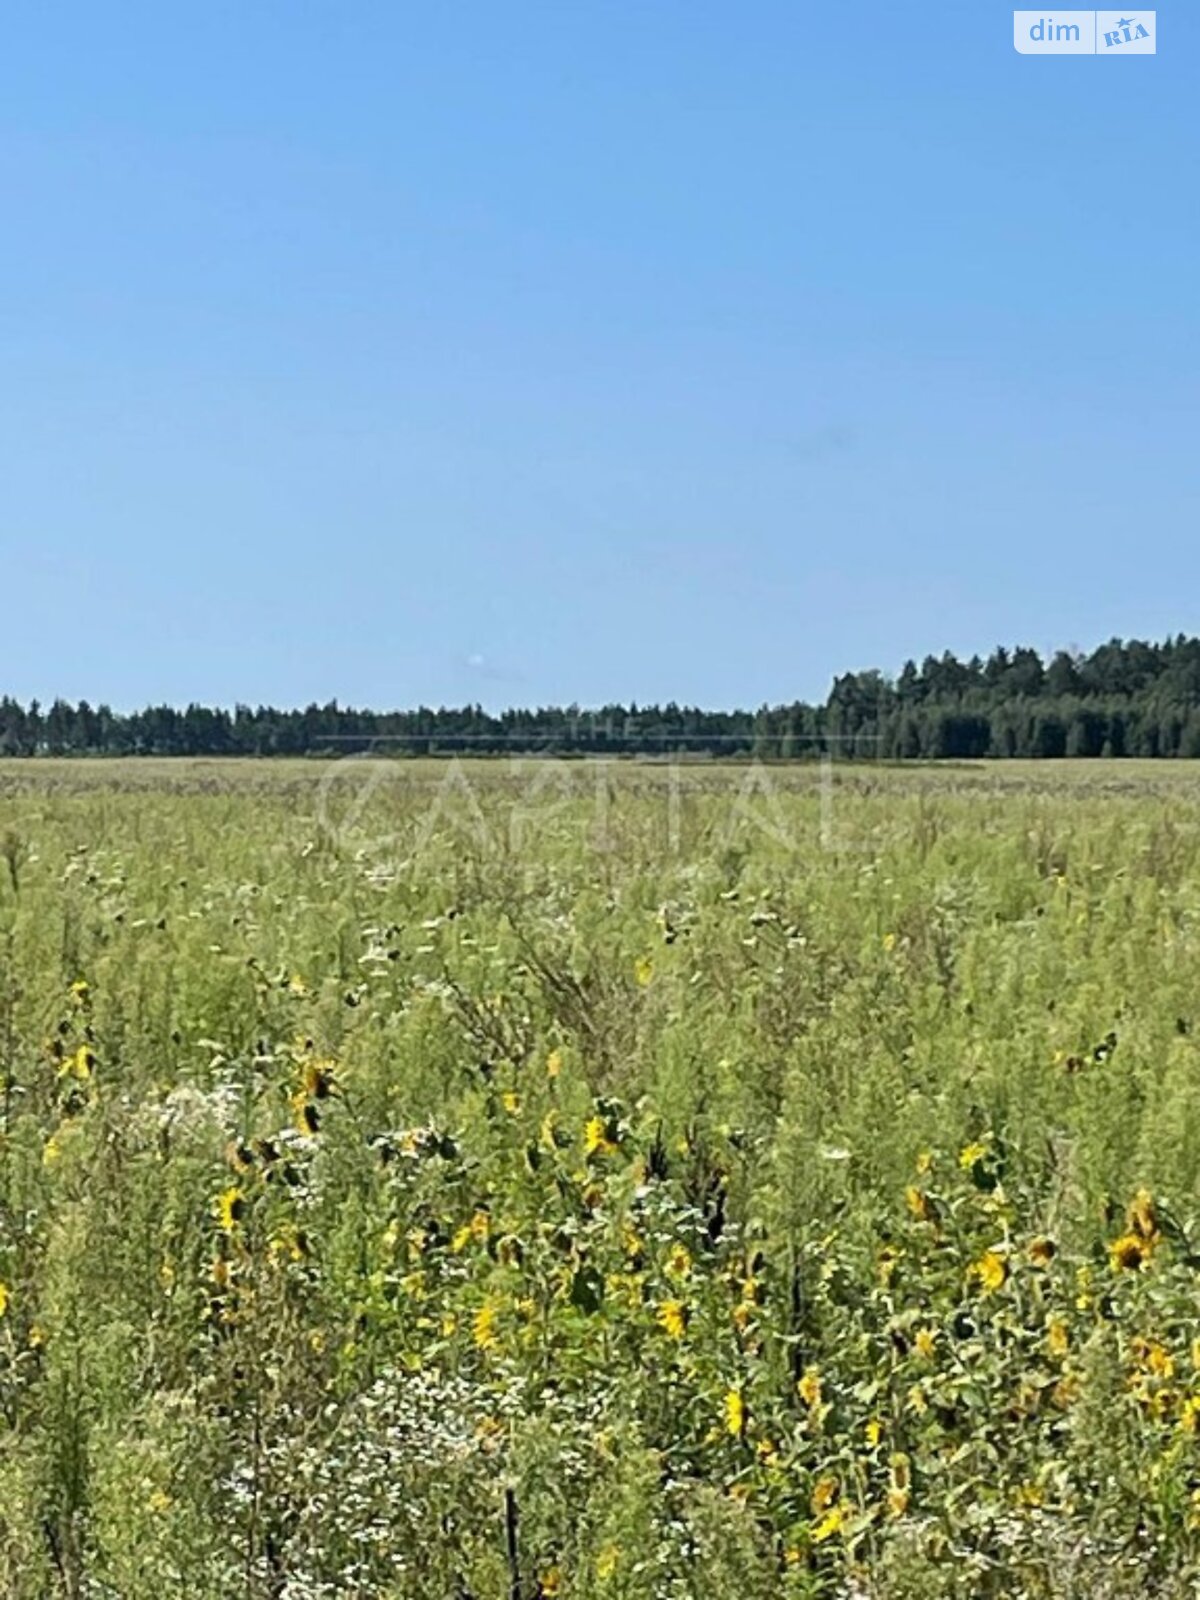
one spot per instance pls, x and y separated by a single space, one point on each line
1127 698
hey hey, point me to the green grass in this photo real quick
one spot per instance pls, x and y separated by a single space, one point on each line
509 1179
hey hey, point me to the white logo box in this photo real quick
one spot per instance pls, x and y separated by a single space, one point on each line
1085 33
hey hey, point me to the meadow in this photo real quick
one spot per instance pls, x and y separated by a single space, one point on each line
505 1181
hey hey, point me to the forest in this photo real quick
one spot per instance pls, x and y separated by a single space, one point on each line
1125 698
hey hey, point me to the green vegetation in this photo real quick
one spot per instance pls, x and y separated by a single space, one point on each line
598 1181
1125 699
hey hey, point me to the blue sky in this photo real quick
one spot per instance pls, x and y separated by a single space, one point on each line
545 353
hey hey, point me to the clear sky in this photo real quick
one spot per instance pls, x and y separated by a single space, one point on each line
532 353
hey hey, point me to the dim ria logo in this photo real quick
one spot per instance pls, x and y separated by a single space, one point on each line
1085 33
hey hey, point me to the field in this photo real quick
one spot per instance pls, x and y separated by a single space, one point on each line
624 1182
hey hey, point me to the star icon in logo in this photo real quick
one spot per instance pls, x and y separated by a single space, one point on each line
1126 22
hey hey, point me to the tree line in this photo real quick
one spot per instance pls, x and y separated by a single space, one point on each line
1126 698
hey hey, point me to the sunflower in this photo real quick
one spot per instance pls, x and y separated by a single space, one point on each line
483 1327
735 1413
240 1156
887 1262
829 1525
288 1244
231 1208
1129 1253
671 1317
679 1261
824 1492
596 1137
1152 1357
1058 1339
990 1271
899 1484
809 1387
1042 1252
82 1063
318 1080
305 1114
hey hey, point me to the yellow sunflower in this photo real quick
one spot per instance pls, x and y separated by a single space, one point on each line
1042 1252
231 1208
735 1413
1129 1253
672 1318
809 1387
990 1271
